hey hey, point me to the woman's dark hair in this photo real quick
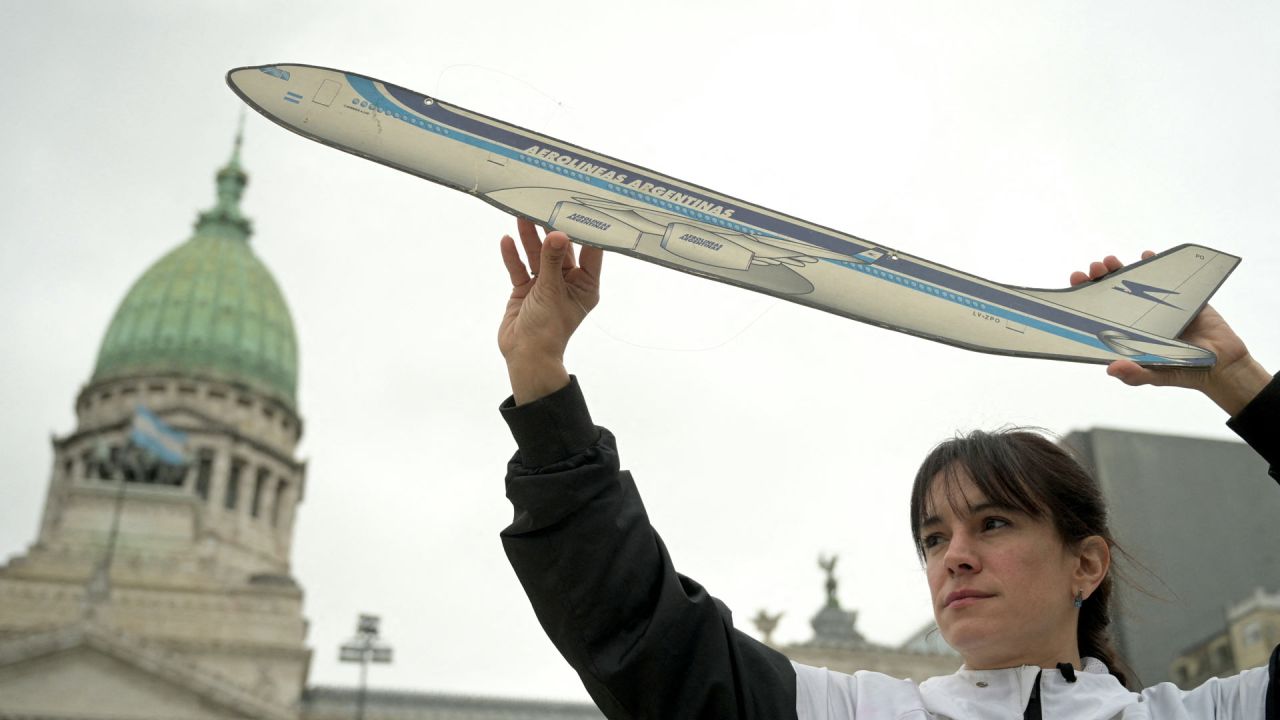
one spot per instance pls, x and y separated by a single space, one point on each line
1024 470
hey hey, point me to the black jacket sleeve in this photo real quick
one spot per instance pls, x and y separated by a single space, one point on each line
646 641
1259 425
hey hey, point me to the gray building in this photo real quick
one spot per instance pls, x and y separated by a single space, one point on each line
1197 519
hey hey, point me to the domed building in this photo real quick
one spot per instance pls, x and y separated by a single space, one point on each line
168 587
164 591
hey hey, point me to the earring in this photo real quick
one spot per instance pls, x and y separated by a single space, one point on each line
1079 599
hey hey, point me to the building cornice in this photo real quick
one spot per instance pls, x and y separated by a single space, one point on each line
213 427
147 658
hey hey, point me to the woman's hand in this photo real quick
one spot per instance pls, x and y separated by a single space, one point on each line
1232 382
549 299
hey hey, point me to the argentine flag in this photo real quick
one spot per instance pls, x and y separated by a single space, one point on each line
150 433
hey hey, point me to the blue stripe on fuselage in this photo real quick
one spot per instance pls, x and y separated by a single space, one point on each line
960 284
486 137
939 283
878 270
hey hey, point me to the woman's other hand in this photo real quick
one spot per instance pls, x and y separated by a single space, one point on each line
1232 382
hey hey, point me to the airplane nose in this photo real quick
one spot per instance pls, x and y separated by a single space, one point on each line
286 92
258 84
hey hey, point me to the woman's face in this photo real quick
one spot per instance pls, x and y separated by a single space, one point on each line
1002 582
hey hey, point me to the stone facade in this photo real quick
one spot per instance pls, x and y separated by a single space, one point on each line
329 703
165 591
1251 633
1254 626
200 561
87 670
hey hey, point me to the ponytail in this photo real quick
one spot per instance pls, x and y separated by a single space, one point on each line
1092 635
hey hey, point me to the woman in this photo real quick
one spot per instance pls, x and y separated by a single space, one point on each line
1017 567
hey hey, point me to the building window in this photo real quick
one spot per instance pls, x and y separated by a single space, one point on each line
126 463
1253 633
259 483
232 495
204 472
107 470
164 474
1222 660
275 508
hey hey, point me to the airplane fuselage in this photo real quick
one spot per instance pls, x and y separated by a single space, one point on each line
626 208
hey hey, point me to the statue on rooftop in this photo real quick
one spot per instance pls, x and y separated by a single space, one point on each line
766 624
829 564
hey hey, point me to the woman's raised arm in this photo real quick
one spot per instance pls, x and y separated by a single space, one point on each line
550 297
646 641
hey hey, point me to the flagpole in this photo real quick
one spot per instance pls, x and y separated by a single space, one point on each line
98 590
149 439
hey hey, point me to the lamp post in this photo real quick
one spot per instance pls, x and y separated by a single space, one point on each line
365 648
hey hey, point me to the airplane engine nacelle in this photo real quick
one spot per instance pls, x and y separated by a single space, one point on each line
701 246
598 228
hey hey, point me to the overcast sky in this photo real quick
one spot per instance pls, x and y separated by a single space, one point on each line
1014 140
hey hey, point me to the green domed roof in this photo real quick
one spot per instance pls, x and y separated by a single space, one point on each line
208 309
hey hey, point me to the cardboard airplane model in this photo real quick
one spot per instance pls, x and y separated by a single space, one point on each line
1135 313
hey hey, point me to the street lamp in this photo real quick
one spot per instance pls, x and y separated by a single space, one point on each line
365 648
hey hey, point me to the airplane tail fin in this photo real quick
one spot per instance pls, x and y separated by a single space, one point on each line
1159 295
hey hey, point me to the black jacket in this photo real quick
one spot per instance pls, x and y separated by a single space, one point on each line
647 641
